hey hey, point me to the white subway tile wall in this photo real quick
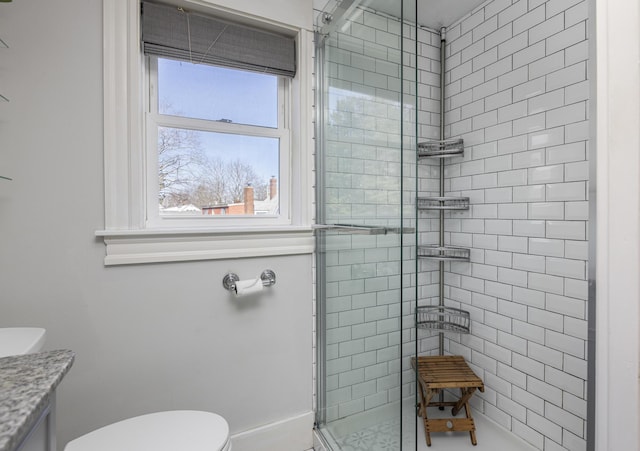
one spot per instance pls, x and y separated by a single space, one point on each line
517 92
370 335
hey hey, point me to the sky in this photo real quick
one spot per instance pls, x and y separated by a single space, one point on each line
237 96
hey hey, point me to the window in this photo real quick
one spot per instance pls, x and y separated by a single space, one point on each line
179 116
218 125
218 144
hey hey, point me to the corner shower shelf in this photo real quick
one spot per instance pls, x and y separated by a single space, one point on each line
444 253
443 318
442 149
443 203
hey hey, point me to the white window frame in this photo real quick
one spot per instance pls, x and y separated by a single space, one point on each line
282 132
128 235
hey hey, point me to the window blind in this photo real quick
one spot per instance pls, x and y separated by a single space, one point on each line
171 32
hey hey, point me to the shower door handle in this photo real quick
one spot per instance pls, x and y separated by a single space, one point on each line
362 229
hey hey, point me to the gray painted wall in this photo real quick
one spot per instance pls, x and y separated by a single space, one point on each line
148 337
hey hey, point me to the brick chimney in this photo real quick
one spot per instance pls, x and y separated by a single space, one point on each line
273 187
248 200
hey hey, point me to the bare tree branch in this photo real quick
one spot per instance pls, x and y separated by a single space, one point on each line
186 175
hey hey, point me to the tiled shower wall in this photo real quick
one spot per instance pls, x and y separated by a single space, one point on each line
364 175
517 92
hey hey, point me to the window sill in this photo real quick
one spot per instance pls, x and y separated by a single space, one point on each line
126 247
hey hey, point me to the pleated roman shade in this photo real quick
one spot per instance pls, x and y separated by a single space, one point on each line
170 32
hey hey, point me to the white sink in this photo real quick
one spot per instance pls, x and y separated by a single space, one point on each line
21 340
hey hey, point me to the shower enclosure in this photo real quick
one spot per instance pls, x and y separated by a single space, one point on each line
366 185
516 77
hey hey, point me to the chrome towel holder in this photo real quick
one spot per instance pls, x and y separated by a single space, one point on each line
268 278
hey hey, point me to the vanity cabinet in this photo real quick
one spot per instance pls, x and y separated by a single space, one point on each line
42 437
27 399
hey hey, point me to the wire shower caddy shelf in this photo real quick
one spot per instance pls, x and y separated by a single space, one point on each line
441 148
440 318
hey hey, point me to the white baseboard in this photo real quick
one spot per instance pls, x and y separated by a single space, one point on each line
291 434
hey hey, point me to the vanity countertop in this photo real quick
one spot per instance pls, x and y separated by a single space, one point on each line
27 383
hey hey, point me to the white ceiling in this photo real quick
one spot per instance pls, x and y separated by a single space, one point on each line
431 13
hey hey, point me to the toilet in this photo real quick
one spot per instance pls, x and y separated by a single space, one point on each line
184 430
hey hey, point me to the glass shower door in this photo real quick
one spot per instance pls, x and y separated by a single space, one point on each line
365 268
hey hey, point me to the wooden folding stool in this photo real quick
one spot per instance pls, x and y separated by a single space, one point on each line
435 373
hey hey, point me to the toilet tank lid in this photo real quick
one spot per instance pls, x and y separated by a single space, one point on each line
187 430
